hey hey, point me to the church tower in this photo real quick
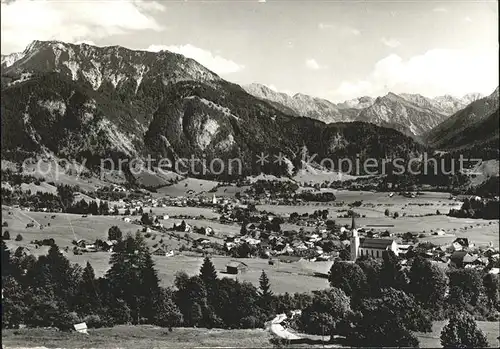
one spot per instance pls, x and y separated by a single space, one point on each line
354 246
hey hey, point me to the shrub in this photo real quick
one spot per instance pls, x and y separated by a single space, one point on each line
94 321
462 332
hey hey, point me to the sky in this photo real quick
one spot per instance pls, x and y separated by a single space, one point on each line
336 50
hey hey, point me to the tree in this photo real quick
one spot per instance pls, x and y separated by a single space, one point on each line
243 230
349 277
392 274
167 314
13 304
146 219
190 291
88 297
6 235
265 293
388 321
19 237
103 207
328 309
462 332
396 215
65 193
427 283
114 233
387 212
491 285
371 268
132 277
466 285
208 274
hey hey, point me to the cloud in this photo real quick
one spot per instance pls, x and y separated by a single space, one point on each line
468 19
24 21
213 62
390 42
436 72
439 9
312 64
343 30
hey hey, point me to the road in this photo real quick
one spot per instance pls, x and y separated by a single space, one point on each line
278 330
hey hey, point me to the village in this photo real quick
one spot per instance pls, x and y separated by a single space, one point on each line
312 236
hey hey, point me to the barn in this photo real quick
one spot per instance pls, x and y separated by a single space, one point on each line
235 267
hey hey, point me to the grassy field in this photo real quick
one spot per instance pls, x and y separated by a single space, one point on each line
432 339
142 337
136 337
186 187
480 231
285 277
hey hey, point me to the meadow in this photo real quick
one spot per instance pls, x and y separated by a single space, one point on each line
146 337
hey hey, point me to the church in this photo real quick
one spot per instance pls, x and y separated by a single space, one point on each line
369 247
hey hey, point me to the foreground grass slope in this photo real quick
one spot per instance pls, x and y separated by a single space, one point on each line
146 337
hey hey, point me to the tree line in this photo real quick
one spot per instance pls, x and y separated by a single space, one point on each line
369 302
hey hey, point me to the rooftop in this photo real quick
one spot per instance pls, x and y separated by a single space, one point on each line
380 244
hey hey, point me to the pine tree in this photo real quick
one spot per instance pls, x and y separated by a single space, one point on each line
88 299
243 230
208 273
264 285
132 277
265 293
6 261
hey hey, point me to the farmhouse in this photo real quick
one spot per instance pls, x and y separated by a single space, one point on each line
235 267
462 258
161 252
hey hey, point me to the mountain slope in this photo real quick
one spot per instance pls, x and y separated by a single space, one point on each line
86 102
397 112
302 105
472 125
446 104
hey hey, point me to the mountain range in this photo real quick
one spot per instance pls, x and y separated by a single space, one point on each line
87 102
412 114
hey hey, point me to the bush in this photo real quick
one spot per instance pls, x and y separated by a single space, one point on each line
19 237
66 320
6 235
249 322
94 321
462 332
